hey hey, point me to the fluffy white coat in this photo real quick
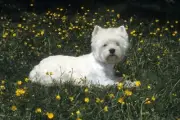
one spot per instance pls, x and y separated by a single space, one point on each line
108 47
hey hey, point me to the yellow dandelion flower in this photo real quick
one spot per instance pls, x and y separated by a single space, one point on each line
54 14
148 102
98 100
158 63
120 86
102 101
118 15
134 35
71 99
128 92
5 35
33 25
105 109
38 110
3 82
31 5
86 90
128 62
174 94
26 79
50 115
158 57
2 87
131 19
176 22
11 30
78 112
137 83
112 11
156 20
72 114
142 41
42 32
139 49
13 108
126 28
111 95
153 45
20 92
173 34
14 34
132 32
58 97
124 75
121 100
59 46
166 29
78 118
158 29
86 100
19 82
19 25
107 22
147 99
153 98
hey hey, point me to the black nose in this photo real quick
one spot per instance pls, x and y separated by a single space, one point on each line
112 51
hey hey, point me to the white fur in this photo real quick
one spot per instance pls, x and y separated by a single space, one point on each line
96 67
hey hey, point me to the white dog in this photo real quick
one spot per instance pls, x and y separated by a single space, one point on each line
109 45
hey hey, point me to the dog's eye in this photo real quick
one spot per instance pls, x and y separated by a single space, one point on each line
117 44
104 45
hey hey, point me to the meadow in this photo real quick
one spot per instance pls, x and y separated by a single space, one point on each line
153 61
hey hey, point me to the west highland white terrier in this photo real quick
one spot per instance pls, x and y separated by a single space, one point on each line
109 45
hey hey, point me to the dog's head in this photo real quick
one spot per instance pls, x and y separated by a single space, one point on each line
109 45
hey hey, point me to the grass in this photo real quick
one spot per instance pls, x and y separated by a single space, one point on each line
153 59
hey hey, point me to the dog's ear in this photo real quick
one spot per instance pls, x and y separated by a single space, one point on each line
122 30
96 29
